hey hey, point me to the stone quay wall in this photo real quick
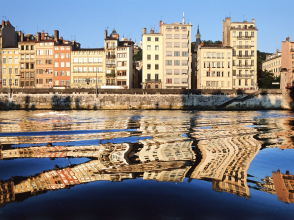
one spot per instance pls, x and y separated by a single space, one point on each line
68 99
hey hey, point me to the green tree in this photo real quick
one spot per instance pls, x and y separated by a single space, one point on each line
266 80
138 56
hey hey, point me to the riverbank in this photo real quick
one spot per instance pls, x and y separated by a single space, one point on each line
143 99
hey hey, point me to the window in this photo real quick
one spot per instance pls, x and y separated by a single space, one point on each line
148 57
56 64
252 43
208 73
91 60
148 66
184 45
218 64
156 47
252 33
177 53
62 55
4 60
84 69
156 39
208 55
184 71
100 60
4 81
61 64
67 55
56 73
169 72
169 36
56 55
169 53
56 82
156 57
148 47
168 62
67 64
252 53
177 72
61 73
176 62
156 66
184 54
148 38
184 62
176 36
85 60
218 74
169 44
176 81
213 55
75 60
234 33
184 36
100 69
169 81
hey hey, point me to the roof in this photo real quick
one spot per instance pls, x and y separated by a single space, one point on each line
219 46
88 49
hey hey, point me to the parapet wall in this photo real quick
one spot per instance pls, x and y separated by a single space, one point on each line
197 100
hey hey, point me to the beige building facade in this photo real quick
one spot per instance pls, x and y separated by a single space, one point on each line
86 64
287 74
273 63
214 67
242 36
170 64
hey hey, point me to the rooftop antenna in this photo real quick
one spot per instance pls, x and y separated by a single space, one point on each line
4 16
183 22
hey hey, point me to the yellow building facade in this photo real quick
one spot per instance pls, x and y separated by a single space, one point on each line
10 67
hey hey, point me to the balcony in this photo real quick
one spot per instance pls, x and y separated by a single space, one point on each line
110 65
243 56
245 75
112 75
110 56
110 48
243 37
243 66
153 80
244 46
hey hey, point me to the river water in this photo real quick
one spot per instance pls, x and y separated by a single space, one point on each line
146 165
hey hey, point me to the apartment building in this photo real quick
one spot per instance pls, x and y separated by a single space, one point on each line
118 60
152 58
8 38
175 72
44 60
194 60
10 67
287 74
242 36
214 66
87 67
27 61
273 63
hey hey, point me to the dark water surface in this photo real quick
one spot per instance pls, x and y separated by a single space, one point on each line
168 165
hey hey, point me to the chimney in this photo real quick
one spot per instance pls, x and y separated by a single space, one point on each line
288 38
105 34
38 36
253 21
160 27
56 35
152 31
43 35
21 37
3 23
144 30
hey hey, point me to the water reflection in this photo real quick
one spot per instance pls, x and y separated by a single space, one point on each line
217 147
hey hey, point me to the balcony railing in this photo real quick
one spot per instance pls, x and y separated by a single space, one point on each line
110 75
110 56
243 56
245 75
110 48
153 80
110 65
244 66
244 46
243 37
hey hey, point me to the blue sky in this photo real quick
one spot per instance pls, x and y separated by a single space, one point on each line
86 20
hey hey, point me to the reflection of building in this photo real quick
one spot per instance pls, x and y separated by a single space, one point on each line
176 175
284 185
226 156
